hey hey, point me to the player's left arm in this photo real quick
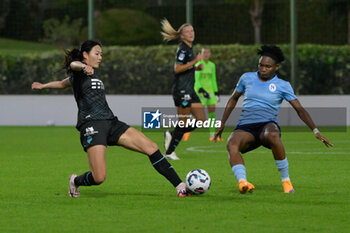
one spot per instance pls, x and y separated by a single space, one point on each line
305 116
52 85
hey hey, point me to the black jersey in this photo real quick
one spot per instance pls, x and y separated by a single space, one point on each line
90 96
184 81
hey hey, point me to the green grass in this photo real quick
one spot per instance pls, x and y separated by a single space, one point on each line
17 47
36 162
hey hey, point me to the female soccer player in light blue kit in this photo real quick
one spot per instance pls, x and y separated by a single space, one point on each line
263 94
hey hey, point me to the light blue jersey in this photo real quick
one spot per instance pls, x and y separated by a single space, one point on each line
262 100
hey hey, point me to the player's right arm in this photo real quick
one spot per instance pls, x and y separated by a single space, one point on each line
305 116
77 66
231 104
53 85
179 68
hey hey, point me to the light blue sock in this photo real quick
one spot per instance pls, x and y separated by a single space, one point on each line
282 166
239 172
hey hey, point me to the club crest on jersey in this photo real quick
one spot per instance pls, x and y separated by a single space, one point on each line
272 87
97 84
181 56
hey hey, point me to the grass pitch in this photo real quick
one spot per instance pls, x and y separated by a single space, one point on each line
37 161
19 47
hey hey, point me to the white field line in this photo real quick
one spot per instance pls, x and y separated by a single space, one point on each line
219 149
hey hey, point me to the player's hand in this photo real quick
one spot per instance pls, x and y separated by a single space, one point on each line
204 92
218 133
200 67
323 139
88 70
198 57
37 86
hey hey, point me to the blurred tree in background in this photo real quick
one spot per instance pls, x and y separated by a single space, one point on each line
342 9
62 33
126 27
4 11
215 22
229 27
256 8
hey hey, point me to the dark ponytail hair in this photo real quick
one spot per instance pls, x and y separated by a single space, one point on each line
76 54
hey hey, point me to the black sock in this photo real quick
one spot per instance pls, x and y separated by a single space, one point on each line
85 179
162 165
177 135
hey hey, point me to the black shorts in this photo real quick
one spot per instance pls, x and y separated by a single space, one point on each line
255 129
102 132
185 99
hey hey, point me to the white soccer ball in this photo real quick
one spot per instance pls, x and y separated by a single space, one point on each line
198 181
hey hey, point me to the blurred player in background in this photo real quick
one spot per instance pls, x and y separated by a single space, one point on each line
97 124
263 94
207 89
185 98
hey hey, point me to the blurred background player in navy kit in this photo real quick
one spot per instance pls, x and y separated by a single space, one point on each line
185 98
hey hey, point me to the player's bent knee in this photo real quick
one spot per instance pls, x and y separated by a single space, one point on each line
99 179
273 136
232 147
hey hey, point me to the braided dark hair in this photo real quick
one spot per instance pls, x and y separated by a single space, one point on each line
272 51
76 54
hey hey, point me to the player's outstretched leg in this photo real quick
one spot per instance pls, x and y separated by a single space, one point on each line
136 141
162 165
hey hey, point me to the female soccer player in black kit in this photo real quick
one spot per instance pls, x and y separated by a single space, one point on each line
97 124
185 98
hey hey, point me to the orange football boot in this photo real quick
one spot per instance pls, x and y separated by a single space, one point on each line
245 186
288 187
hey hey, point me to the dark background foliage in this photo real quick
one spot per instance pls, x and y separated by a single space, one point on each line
215 22
149 70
